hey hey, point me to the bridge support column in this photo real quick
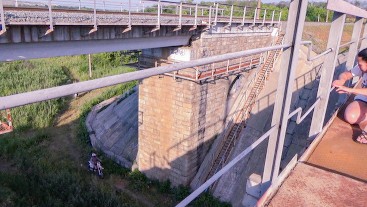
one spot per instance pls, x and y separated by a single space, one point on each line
178 118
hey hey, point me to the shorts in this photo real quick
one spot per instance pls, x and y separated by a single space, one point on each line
361 98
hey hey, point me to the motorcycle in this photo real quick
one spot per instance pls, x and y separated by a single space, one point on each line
98 169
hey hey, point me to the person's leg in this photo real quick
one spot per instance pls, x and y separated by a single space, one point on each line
356 113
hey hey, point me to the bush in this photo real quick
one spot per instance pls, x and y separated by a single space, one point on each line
138 181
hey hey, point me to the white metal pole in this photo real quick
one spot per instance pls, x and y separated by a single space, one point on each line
3 27
90 65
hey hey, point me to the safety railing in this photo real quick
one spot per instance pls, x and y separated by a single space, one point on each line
281 113
282 105
238 120
147 12
209 71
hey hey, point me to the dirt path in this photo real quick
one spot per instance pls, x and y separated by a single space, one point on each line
64 143
64 140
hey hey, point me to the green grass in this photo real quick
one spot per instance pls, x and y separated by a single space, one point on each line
42 179
39 176
23 76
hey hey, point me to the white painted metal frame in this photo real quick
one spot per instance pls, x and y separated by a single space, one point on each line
327 73
296 19
3 26
65 90
281 113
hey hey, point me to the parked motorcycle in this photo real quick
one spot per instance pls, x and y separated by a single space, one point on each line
98 169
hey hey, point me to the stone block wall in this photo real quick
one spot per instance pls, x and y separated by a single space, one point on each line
179 119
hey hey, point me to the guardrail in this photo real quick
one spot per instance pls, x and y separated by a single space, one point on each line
177 13
281 113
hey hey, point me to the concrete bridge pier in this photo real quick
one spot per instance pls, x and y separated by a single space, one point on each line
180 115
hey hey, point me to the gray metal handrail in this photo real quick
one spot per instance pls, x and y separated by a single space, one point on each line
65 90
215 177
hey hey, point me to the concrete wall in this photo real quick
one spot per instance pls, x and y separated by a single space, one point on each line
180 118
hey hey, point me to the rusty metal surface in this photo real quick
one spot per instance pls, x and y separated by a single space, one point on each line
335 174
311 186
339 153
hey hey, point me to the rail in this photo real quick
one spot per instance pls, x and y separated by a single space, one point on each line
282 104
281 113
160 12
65 90
210 71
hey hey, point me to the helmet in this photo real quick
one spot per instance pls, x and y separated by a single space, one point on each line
94 155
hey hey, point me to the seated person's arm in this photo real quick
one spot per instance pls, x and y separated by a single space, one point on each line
343 77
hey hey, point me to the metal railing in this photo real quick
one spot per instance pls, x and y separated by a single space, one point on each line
209 71
239 119
65 90
281 113
130 13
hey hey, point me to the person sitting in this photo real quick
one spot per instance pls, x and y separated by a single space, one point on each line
93 161
356 111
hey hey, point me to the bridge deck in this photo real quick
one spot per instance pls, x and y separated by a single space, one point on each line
335 173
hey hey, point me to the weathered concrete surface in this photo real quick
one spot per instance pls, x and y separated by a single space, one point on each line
180 119
232 186
312 186
113 128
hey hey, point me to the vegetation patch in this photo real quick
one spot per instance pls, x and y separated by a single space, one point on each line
24 76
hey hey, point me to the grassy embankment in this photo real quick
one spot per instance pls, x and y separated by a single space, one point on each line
42 163
319 35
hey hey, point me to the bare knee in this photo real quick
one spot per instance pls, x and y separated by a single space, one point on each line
353 113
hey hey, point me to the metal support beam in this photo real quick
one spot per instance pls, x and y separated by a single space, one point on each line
94 18
346 8
225 169
210 17
179 26
216 14
3 27
295 23
327 73
25 51
280 17
264 18
353 48
90 65
65 90
244 17
364 41
195 26
255 16
230 18
129 27
159 11
272 18
51 29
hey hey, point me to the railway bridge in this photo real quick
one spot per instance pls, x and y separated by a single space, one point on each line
200 55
